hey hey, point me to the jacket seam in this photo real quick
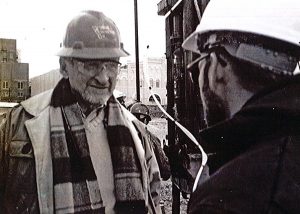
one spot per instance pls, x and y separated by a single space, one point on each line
282 148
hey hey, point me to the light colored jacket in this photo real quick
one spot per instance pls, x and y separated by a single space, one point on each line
25 144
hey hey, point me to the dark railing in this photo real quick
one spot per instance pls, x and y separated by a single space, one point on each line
164 6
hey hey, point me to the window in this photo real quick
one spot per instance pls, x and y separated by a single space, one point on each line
20 85
5 84
151 83
20 94
157 83
151 99
4 59
5 94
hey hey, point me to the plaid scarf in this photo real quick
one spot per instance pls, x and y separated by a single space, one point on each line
76 189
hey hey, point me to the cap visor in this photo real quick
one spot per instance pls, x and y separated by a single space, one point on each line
93 53
190 43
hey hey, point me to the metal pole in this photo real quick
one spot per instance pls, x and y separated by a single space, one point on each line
137 65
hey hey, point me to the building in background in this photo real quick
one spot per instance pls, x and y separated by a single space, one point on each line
14 76
44 82
155 67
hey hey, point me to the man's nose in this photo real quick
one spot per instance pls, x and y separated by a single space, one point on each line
102 76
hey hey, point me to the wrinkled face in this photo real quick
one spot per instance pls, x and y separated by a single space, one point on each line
93 80
215 108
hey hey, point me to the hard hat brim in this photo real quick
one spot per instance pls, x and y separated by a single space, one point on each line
92 53
190 43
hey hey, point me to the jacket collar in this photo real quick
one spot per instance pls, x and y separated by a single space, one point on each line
35 105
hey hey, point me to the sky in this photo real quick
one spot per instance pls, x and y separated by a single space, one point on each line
39 27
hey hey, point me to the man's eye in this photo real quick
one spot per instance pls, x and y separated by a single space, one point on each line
112 65
91 65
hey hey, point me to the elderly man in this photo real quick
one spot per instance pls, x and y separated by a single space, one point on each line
250 93
76 149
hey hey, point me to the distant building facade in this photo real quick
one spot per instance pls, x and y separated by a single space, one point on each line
44 82
155 67
14 76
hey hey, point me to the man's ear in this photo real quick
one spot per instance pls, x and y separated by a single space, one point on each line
63 69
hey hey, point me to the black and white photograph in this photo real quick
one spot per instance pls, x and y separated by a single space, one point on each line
150 107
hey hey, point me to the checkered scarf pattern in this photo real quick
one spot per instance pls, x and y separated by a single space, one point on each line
76 189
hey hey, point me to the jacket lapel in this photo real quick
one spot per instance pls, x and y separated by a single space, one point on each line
39 133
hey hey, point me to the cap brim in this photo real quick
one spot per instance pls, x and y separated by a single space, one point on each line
93 53
190 43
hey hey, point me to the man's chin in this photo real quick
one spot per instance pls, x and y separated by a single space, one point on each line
215 109
95 101
91 99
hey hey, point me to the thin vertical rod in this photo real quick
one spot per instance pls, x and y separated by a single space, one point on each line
137 51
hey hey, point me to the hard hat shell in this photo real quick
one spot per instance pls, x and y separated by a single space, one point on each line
138 108
92 35
278 19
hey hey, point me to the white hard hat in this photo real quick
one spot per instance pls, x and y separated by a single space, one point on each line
277 19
